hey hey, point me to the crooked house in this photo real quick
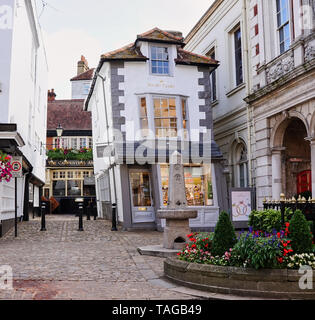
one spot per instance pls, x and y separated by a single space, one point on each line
147 100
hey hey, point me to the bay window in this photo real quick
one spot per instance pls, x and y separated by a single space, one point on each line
165 119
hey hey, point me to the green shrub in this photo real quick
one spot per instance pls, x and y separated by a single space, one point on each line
224 235
268 220
300 233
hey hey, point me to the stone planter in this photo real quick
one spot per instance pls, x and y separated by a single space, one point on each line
264 283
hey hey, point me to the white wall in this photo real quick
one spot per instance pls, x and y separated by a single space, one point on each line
26 88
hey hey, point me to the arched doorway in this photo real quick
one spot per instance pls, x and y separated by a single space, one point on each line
296 171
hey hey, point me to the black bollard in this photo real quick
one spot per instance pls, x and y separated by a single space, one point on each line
94 210
43 214
80 216
88 213
114 225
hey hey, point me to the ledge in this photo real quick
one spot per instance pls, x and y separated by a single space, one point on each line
263 283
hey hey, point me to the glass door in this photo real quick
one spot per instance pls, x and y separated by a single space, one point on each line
141 196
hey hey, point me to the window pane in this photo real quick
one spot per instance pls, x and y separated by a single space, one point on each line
59 188
140 186
74 187
238 57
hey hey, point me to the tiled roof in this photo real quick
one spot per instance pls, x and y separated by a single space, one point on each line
129 52
68 113
87 75
189 58
157 34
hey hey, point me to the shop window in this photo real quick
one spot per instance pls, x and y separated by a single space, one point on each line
59 188
74 187
198 184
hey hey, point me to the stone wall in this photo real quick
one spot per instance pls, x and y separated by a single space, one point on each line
266 283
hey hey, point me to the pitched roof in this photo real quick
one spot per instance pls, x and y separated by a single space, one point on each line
190 58
87 75
158 35
128 52
68 113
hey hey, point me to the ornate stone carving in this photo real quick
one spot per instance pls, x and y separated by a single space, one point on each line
280 67
309 52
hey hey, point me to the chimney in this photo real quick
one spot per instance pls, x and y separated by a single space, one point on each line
83 65
51 95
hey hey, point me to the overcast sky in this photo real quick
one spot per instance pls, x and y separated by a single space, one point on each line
93 27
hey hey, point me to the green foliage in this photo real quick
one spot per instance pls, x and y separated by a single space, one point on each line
256 252
300 233
84 154
268 220
224 235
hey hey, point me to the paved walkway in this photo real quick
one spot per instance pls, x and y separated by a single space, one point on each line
97 264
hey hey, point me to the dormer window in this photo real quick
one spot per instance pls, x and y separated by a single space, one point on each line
159 60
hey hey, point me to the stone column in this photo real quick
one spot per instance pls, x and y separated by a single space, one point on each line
276 167
313 166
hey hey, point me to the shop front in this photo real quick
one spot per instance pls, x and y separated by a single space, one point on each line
64 185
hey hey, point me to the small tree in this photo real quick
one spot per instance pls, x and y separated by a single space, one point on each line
300 233
224 235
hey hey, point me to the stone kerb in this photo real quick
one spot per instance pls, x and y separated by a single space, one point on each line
264 283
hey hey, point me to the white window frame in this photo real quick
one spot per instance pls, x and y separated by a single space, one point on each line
170 58
230 66
278 28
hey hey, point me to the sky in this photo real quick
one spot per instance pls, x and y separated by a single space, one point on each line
72 28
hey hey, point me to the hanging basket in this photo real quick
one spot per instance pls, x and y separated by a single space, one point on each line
5 167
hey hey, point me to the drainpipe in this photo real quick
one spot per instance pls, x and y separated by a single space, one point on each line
107 129
247 86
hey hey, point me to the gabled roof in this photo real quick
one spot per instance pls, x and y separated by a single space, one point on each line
128 52
189 58
158 35
68 113
87 75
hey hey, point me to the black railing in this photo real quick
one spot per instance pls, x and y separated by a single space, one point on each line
307 206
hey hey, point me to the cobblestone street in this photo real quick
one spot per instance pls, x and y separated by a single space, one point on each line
63 263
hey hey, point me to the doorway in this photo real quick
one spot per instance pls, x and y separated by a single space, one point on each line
142 203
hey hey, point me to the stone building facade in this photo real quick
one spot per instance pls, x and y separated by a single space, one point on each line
272 112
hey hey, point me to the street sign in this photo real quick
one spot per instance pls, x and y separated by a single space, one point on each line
17 167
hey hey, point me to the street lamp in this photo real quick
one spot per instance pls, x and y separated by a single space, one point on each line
59 130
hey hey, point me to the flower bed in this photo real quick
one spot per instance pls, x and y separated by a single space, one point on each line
262 263
5 167
70 154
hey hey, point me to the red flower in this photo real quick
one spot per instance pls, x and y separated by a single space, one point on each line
193 246
206 245
189 235
280 260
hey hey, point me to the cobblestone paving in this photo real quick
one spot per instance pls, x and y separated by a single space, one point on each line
63 263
